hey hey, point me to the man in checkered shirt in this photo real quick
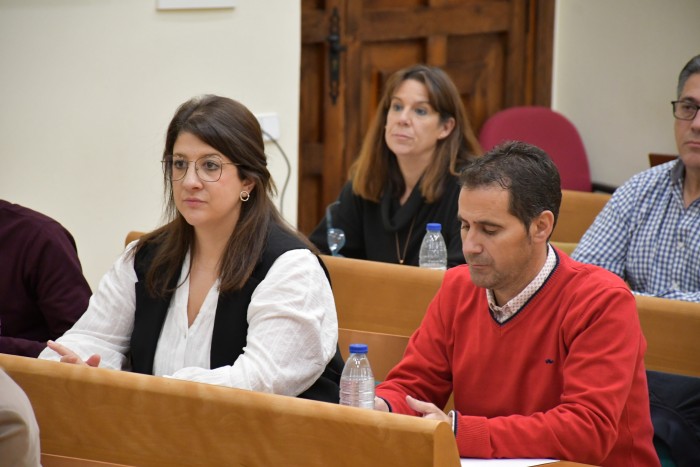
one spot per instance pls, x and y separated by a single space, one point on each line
649 231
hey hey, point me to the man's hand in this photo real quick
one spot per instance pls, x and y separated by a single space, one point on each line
380 404
429 411
68 356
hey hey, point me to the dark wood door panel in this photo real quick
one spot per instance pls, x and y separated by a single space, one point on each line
313 117
477 66
405 23
498 52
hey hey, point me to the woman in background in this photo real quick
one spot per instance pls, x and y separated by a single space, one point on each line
405 175
224 293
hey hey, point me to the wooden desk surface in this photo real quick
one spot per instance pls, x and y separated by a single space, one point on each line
52 460
182 422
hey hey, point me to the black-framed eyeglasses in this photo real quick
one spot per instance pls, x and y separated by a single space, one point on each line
208 168
684 110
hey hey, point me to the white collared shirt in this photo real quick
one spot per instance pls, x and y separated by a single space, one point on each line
505 312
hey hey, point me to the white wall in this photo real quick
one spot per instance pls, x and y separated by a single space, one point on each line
87 88
616 66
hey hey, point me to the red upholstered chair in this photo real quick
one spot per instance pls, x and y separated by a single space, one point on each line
552 132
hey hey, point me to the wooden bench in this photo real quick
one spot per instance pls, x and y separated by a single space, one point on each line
577 212
133 235
96 414
381 297
672 330
566 247
387 298
385 350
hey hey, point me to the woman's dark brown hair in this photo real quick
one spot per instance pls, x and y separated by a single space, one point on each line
233 130
376 168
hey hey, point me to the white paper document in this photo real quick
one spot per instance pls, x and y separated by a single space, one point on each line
504 462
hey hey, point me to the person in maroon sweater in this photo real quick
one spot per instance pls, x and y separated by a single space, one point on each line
42 287
544 355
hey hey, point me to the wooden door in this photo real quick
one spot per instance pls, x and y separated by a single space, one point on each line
498 52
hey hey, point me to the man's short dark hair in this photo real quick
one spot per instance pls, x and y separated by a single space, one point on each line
526 171
690 68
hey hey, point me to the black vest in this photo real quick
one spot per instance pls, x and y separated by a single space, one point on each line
230 322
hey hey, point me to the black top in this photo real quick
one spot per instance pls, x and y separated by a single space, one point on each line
372 229
675 414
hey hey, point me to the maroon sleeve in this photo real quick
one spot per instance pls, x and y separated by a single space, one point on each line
52 278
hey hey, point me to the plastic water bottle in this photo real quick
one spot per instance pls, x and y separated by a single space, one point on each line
357 380
433 251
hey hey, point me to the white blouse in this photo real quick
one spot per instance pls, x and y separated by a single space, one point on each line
292 328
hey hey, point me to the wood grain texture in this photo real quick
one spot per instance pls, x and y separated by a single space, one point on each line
388 298
577 212
499 53
125 418
381 297
385 350
672 331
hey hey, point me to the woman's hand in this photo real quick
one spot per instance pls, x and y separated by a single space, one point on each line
68 356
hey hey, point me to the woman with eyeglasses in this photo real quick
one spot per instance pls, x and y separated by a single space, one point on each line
406 173
225 293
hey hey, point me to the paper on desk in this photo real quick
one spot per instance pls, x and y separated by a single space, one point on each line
504 462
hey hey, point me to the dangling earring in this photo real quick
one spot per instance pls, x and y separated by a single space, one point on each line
244 196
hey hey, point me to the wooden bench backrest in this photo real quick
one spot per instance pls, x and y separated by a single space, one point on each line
133 419
386 298
566 247
385 350
577 212
133 235
672 331
381 297
53 460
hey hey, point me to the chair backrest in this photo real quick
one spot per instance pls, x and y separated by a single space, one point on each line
547 129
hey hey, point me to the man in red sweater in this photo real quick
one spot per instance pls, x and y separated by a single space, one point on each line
544 355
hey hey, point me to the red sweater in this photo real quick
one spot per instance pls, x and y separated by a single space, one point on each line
563 378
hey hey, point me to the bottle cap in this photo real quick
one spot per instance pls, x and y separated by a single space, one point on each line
358 348
434 227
